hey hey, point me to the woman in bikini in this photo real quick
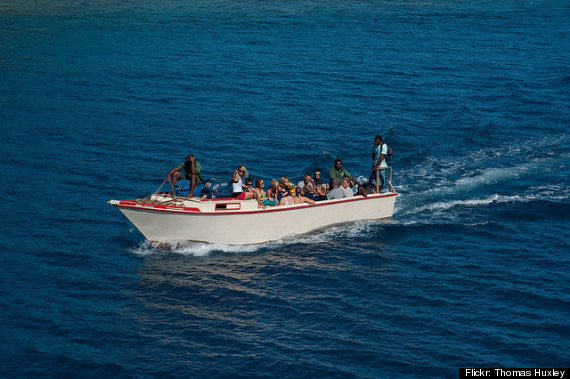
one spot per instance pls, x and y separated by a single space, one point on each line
287 198
300 199
271 199
259 188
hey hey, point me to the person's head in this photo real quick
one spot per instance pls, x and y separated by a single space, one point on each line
259 183
297 191
307 178
317 173
189 157
321 189
307 189
292 190
338 164
249 182
284 182
275 185
335 182
346 183
269 192
242 171
378 139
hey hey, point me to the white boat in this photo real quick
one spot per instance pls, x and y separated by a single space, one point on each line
162 218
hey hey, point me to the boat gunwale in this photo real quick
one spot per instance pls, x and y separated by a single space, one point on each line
133 205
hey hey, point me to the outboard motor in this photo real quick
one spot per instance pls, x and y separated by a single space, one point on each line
215 188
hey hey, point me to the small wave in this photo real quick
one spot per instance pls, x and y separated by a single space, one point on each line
506 159
556 192
547 193
494 175
445 205
349 231
197 249
462 181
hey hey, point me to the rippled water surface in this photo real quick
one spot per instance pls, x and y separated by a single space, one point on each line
100 100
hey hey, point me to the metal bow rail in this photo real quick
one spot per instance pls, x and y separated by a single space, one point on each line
389 179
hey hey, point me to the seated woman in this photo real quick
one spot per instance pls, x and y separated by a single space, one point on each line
270 200
299 199
321 192
284 182
276 189
287 196
239 190
259 188
309 193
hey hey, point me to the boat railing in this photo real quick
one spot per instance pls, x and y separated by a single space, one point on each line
389 179
177 201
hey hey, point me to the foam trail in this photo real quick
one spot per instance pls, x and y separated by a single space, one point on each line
197 249
443 205
434 198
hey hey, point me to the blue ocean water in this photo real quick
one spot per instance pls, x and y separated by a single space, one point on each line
99 100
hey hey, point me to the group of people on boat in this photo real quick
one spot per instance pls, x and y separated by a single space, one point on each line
283 192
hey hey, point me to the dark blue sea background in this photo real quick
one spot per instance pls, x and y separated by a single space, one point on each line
99 100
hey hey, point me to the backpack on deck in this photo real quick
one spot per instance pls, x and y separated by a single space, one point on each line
181 188
388 155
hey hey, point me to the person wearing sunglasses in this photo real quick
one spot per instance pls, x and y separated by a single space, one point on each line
239 191
317 178
307 181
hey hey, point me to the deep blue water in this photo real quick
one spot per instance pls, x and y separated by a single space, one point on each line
100 100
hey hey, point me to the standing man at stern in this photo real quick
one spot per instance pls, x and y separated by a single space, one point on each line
378 161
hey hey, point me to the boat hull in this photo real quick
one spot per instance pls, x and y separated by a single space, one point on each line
228 221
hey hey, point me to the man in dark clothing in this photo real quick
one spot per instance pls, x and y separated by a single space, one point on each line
191 169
